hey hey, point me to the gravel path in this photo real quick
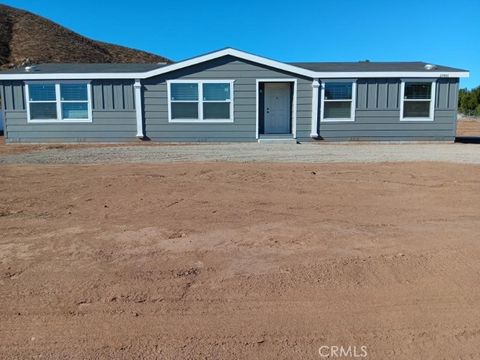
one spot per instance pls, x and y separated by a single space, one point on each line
308 153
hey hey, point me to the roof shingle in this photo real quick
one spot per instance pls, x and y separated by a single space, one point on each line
364 66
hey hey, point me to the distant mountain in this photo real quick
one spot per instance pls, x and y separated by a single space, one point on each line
26 38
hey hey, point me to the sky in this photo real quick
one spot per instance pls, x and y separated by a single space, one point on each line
444 32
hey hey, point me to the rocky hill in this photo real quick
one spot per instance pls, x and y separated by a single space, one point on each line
28 38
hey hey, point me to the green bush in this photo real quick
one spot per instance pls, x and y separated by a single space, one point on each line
469 102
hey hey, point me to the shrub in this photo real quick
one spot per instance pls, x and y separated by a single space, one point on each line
469 101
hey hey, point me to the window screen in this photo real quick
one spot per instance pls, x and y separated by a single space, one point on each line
220 91
42 92
72 92
183 92
338 91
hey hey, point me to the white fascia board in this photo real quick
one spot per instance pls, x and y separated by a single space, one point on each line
313 75
241 55
165 69
392 74
298 70
70 76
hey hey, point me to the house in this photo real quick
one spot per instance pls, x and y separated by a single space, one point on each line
230 95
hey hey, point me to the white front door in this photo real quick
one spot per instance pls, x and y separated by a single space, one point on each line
277 109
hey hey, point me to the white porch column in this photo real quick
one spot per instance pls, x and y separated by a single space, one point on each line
138 107
315 96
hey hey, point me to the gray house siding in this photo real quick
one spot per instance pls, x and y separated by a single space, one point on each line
377 114
113 116
243 128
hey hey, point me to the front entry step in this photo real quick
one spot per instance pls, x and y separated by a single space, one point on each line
277 139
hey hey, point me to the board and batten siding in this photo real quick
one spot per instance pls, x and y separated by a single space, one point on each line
245 75
113 116
377 114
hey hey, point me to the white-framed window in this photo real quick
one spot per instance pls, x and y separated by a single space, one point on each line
202 101
417 100
53 102
338 100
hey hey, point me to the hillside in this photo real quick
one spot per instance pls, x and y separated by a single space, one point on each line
29 38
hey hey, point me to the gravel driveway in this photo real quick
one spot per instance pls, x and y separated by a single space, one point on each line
308 153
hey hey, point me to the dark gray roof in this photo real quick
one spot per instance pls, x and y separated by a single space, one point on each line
362 66
86 68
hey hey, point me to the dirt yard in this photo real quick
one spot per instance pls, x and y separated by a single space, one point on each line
231 260
468 127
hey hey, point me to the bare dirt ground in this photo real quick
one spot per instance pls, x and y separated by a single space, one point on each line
243 153
231 260
468 127
15 149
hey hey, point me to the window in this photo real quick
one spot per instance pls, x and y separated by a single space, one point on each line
338 101
417 101
216 101
42 101
200 101
184 100
58 102
74 99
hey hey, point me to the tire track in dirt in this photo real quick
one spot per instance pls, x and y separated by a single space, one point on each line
267 261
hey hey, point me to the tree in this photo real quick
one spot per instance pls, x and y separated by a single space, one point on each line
469 101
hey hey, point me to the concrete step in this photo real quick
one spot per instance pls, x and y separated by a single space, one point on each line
279 140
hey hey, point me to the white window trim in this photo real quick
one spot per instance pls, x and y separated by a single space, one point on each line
59 102
432 101
353 104
200 100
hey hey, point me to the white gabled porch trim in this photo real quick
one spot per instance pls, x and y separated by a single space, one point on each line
231 52
315 94
138 108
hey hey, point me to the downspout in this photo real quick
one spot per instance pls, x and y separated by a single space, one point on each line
315 87
138 108
3 117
